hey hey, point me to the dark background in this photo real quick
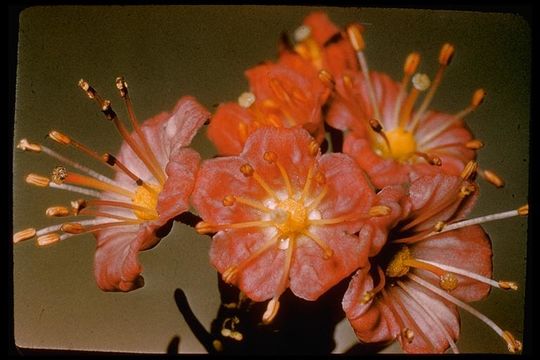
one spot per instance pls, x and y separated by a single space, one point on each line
167 52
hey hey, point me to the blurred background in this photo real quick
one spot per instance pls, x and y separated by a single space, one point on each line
166 52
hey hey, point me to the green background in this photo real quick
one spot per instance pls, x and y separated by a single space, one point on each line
168 52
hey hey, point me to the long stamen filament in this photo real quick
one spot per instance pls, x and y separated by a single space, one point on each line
370 294
206 228
78 179
522 211
498 284
327 251
123 88
513 345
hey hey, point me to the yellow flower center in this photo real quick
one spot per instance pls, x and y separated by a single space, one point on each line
402 145
295 218
146 199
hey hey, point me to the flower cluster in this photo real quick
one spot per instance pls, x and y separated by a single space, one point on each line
325 171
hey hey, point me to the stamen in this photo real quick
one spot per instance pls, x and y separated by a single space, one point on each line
87 212
248 171
24 145
357 41
66 140
379 210
57 211
307 184
431 314
271 311
230 200
492 178
377 127
82 204
445 56
506 285
205 228
271 157
72 228
23 235
522 211
474 144
122 86
114 162
37 180
60 176
469 170
370 294
246 99
409 68
76 189
317 200
420 83
430 158
48 239
105 106
231 273
476 99
327 79
513 344
313 148
327 251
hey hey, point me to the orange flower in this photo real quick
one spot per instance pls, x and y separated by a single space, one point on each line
322 43
132 212
283 216
281 96
388 137
434 263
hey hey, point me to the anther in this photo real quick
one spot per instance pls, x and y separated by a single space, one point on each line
467 190
247 170
448 281
328 253
59 174
37 180
375 125
446 54
48 239
439 226
355 37
24 145
313 148
57 211
523 210
228 200
246 99
327 79
478 98
204 228
407 334
469 170
421 81
492 178
73 228
474 144
77 206
270 157
379 210
411 63
229 275
508 285
301 33
366 297
59 137
25 234
434 160
271 311
90 92
513 344
122 86
107 110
